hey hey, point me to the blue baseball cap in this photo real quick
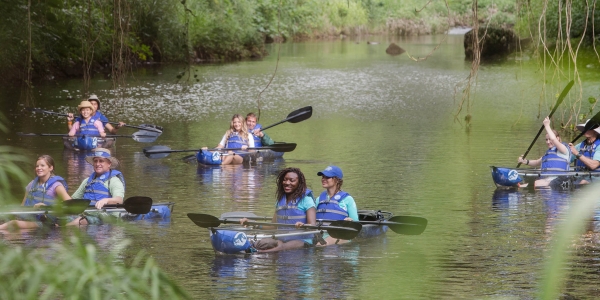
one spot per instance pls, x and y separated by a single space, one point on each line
332 171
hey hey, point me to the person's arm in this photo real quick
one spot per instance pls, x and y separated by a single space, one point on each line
70 118
266 140
74 128
351 208
100 128
592 163
533 163
80 190
62 192
559 146
311 216
110 129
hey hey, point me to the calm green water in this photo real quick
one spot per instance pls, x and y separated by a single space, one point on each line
386 121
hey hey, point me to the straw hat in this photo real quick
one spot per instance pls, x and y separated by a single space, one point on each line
85 104
581 127
102 153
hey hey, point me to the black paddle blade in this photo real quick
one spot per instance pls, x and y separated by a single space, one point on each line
71 207
341 233
406 225
300 115
157 151
137 205
282 147
204 221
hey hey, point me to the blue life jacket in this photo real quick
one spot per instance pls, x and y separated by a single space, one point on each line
86 142
95 189
98 116
236 141
289 213
257 140
330 209
587 151
39 193
552 162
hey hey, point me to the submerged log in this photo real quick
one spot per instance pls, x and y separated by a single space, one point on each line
394 49
497 43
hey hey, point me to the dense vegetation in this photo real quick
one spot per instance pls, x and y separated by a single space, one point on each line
70 38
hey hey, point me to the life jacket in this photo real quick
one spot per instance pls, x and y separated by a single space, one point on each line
85 141
289 213
95 189
236 141
257 140
587 151
552 162
98 116
330 209
39 193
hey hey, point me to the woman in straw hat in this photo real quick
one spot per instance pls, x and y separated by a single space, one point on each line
104 186
96 114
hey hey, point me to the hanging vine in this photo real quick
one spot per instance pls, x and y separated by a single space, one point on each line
276 63
120 50
26 92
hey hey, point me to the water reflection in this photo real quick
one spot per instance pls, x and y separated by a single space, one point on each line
77 168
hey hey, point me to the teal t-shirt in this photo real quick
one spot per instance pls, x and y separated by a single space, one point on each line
305 203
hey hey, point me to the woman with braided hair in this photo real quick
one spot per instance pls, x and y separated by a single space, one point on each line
295 205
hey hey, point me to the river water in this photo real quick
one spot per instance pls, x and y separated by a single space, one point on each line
386 121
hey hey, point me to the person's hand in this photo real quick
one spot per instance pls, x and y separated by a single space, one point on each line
70 117
243 221
39 204
299 224
348 219
103 134
258 133
546 121
573 150
121 124
521 160
71 134
244 147
204 148
101 203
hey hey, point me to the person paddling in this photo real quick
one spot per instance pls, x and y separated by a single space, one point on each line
260 138
104 186
88 126
333 203
98 115
557 158
295 205
586 153
45 189
237 136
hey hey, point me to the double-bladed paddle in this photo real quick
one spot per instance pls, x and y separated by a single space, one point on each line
296 116
148 127
407 225
159 151
560 99
141 136
344 230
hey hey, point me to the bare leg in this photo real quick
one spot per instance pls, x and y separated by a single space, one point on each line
77 222
18 224
331 241
295 244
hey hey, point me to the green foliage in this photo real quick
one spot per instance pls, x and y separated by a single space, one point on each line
73 270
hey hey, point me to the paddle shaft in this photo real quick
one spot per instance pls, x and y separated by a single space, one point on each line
558 102
113 123
295 116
